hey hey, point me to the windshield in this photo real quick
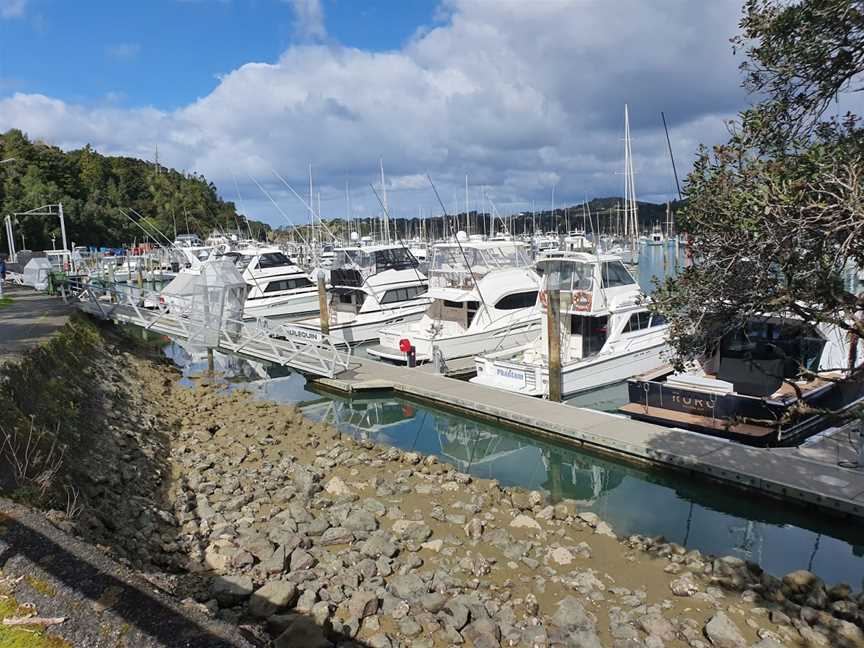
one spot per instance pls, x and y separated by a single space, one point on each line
273 260
567 275
452 258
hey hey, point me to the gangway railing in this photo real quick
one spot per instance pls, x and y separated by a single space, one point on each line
181 318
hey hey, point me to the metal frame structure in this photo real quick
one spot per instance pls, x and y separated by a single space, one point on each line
259 339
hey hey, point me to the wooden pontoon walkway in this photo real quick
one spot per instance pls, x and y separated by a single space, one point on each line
789 473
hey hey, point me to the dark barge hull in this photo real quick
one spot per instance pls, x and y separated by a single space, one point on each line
652 400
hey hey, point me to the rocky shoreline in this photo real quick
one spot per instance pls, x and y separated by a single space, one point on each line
302 536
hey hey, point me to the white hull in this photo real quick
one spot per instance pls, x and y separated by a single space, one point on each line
284 306
576 377
366 326
461 346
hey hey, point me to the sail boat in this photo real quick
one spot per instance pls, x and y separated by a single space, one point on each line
631 214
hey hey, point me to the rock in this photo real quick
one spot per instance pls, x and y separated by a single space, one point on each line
584 639
779 617
591 519
523 521
768 642
378 545
306 601
409 627
474 529
840 592
406 586
321 614
433 602
560 556
337 487
658 626
380 640
483 633
455 615
723 633
571 615
604 529
302 560
806 588
362 604
360 520
231 590
411 530
412 458
336 536
302 633
272 597
433 545
684 585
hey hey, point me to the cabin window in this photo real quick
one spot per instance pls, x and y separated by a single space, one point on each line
288 284
473 307
517 300
396 258
273 260
638 321
615 274
657 320
403 294
592 330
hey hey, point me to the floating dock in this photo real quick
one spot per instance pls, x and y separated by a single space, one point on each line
816 474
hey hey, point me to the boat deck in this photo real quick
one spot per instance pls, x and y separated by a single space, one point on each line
790 473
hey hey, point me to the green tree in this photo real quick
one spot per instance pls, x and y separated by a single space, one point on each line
776 214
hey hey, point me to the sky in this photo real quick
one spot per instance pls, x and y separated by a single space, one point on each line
526 98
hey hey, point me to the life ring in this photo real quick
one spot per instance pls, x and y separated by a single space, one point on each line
582 300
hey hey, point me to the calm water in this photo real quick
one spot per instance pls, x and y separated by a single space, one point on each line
710 517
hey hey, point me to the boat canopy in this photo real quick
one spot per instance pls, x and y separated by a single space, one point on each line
375 258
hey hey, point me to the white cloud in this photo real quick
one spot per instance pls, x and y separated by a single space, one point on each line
123 51
520 96
12 8
309 19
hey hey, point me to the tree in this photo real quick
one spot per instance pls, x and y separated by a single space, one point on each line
776 214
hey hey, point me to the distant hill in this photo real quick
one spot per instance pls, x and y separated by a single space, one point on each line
93 188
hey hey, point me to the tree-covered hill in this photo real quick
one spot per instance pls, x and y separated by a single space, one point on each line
93 188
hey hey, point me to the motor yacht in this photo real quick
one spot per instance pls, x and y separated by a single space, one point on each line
768 382
483 298
372 287
607 332
277 287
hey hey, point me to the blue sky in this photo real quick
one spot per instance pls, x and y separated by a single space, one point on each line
166 53
525 98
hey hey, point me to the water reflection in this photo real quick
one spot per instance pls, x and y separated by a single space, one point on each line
711 517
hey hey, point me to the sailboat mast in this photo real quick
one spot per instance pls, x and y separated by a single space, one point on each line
386 207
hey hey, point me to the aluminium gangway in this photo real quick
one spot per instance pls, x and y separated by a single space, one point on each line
299 348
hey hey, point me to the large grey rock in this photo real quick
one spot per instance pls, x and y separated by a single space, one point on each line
685 585
723 633
806 588
433 602
302 560
362 604
657 626
455 615
302 633
483 633
361 520
378 545
272 597
406 586
336 536
571 615
411 530
231 590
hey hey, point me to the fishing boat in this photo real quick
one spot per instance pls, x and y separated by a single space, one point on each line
278 288
656 237
761 384
483 297
371 287
607 332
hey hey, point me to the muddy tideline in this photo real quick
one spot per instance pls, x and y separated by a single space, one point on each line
245 512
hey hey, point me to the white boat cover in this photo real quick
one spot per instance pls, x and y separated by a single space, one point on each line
36 273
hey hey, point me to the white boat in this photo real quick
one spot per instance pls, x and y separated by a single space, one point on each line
656 237
576 241
371 287
277 287
484 298
607 336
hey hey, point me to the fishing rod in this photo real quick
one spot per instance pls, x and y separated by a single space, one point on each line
459 243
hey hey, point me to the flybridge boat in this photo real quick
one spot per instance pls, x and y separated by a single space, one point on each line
371 287
484 297
277 287
762 384
607 332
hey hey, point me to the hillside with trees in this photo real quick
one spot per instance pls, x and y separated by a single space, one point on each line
94 188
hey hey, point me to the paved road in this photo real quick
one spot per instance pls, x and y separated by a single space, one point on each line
31 318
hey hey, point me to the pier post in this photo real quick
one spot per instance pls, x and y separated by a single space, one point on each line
553 336
210 366
322 303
